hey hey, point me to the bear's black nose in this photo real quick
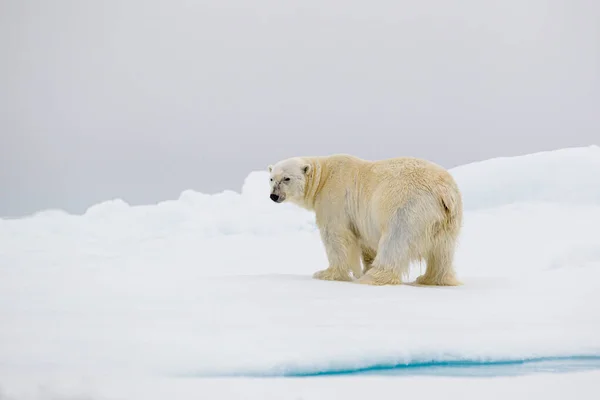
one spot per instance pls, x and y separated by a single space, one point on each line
274 197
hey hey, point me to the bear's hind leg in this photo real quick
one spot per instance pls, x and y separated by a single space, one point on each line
390 264
398 246
440 269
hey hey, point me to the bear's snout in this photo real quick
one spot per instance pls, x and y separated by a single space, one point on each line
274 197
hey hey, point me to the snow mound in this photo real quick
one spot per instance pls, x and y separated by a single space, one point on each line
256 188
570 176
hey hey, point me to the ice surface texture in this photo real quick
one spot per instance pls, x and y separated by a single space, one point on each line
210 285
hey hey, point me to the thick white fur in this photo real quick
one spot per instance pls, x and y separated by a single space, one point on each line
386 213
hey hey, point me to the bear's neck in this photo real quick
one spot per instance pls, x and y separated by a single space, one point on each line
314 183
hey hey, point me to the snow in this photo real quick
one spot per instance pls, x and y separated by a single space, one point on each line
564 176
582 386
160 298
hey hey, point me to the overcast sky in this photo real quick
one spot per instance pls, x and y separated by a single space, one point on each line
143 99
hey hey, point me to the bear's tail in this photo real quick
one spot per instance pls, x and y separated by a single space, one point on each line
452 204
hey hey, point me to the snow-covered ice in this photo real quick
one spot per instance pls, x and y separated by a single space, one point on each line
219 285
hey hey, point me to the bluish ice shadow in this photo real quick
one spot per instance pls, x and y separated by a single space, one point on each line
458 368
469 368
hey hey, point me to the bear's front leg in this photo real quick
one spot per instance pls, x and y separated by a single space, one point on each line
343 254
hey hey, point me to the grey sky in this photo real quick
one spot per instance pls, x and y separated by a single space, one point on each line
143 99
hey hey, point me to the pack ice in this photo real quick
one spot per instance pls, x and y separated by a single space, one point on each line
211 285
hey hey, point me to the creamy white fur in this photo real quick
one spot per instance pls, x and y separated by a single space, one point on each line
387 213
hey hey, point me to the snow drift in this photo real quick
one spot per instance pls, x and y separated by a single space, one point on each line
220 284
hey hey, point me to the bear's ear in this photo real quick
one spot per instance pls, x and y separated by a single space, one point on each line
270 168
306 169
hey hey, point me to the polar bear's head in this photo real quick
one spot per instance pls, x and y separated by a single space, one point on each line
288 180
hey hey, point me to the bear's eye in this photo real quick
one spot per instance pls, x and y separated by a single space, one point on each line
286 179
271 179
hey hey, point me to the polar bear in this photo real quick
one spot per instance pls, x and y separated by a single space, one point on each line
385 213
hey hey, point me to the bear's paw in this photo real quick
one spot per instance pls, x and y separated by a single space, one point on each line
332 274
